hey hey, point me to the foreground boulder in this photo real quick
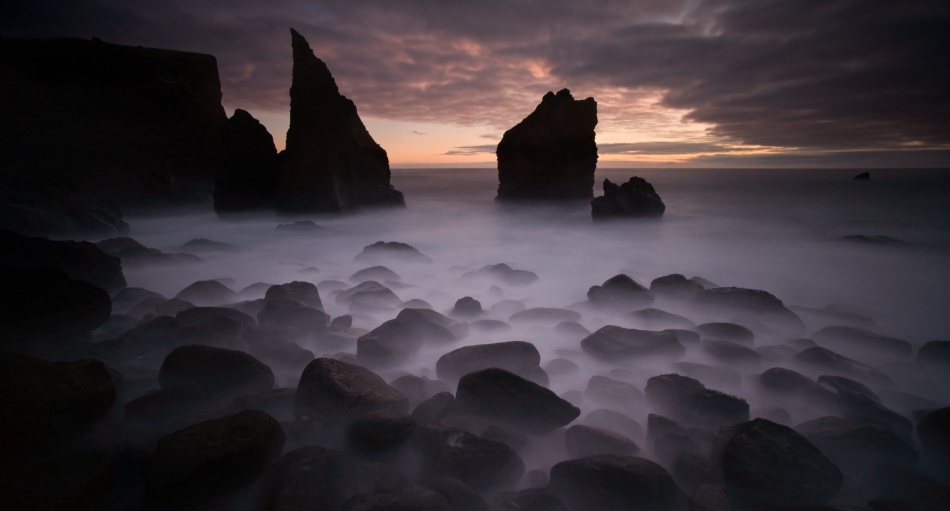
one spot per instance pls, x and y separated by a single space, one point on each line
249 178
480 463
45 403
518 357
218 372
79 260
613 343
331 163
398 339
634 199
620 292
772 464
688 401
856 446
312 478
511 401
615 483
551 154
861 344
208 459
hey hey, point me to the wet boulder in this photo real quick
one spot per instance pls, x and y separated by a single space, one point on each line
208 459
403 498
500 273
288 312
132 253
369 292
615 421
860 407
434 409
400 338
207 292
518 357
731 353
582 440
79 260
377 273
43 306
675 286
895 482
620 292
510 401
218 372
710 375
303 292
418 388
467 307
827 360
45 403
856 446
332 393
773 464
862 344
613 343
128 298
610 392
656 319
836 384
383 251
551 154
378 433
688 401
727 332
480 463
761 305
615 483
634 199
309 478
529 499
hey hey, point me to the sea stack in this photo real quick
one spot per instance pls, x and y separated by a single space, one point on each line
634 199
249 179
331 163
551 154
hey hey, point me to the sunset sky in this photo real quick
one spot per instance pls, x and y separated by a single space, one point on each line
688 83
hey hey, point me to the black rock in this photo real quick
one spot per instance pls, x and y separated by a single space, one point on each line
856 446
400 338
762 305
675 286
434 409
933 430
467 306
79 260
132 252
727 332
620 292
211 458
827 360
299 226
312 478
898 482
511 401
615 483
479 463
551 154
864 176
287 312
331 163
383 251
404 498
610 392
530 499
304 292
614 421
935 355
369 292
207 292
377 433
861 407
656 319
862 344
613 343
582 441
501 274
688 401
249 178
711 375
377 273
218 372
518 357
732 353
634 199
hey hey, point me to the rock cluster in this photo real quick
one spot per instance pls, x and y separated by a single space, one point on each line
634 199
551 154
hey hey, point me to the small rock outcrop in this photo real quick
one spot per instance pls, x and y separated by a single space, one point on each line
249 179
636 198
551 154
331 163
864 176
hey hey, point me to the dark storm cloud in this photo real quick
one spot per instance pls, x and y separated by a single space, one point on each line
661 148
813 74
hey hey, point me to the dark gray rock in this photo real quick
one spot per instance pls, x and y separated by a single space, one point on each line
207 292
79 260
304 292
898 482
935 355
132 253
400 338
856 446
620 292
613 343
610 392
248 181
933 431
864 176
675 286
378 433
518 357
218 372
48 205
727 332
582 441
482 464
312 478
762 305
861 407
614 421
287 312
384 251
551 154
377 273
634 199
369 292
405 498
710 375
530 499
688 401
656 319
545 315
434 409
827 360
838 383
467 307
773 464
732 353
511 401
500 273
615 483
299 226
862 344
331 163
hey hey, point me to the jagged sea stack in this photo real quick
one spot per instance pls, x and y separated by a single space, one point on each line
249 178
331 163
551 154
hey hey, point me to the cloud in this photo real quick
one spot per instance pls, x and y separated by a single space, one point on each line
414 132
472 150
662 148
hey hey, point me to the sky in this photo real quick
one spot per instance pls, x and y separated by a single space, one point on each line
678 83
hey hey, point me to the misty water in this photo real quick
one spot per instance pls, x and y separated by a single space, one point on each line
774 230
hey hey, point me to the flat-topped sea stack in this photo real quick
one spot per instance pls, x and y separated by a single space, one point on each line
127 122
551 154
331 163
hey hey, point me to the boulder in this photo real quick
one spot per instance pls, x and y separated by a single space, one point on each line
79 260
467 307
43 307
48 205
935 355
304 292
501 273
482 464
404 498
610 392
860 407
582 441
545 315
864 176
856 446
933 431
727 332
377 273
248 180
615 483
827 360
675 286
417 389
133 253
211 458
434 409
788 383
331 163
369 292
634 199
207 292
732 353
45 403
551 154
614 421
529 499
383 251
710 375
902 483
656 319
222 373
688 401
128 298
862 344
511 401
400 338
287 312
620 292
312 478
157 115
838 383
378 433
773 464
299 226
518 357
762 305
613 343
332 393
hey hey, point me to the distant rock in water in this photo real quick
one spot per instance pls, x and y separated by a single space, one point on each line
551 154
635 198
331 162
884 241
864 176
249 179
132 123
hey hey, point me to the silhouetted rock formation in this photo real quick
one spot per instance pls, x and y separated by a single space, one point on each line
331 162
551 154
79 260
864 176
635 198
130 121
249 179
